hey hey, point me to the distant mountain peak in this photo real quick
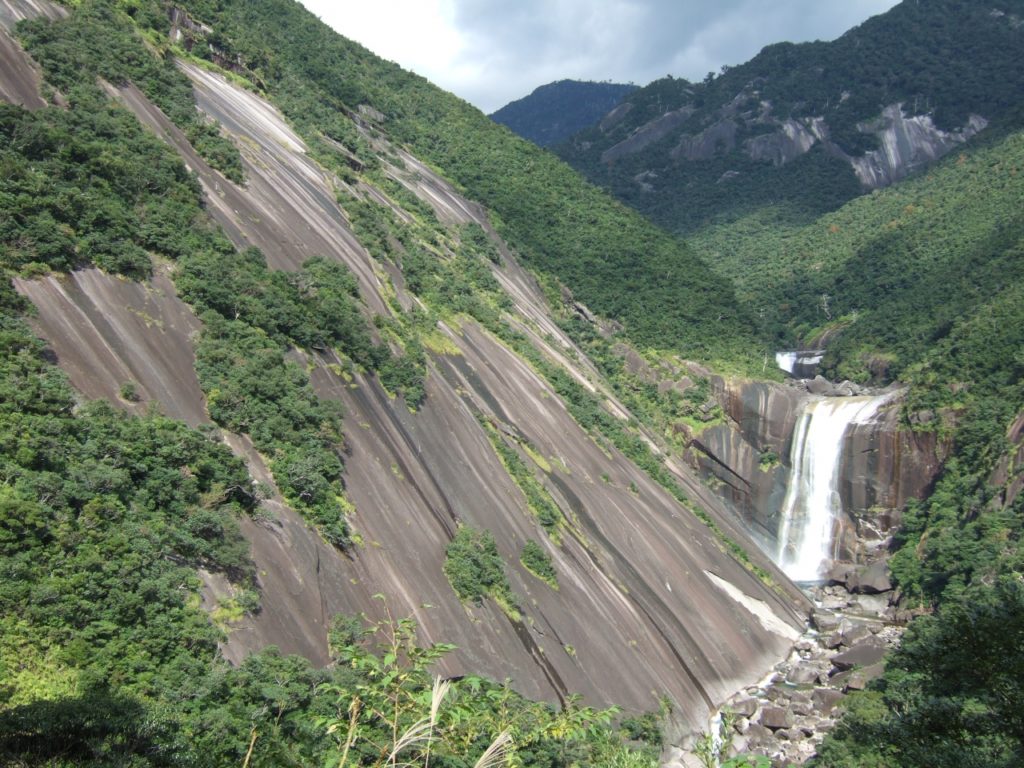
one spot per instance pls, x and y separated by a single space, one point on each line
556 111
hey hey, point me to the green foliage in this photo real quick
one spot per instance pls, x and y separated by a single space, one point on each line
105 656
952 693
99 40
88 186
390 708
475 569
314 308
251 388
643 727
615 262
899 269
103 520
949 59
554 112
538 562
538 499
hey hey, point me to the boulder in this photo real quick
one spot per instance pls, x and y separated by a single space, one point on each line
802 708
838 573
834 640
856 634
859 678
739 744
758 734
775 718
825 700
800 696
819 385
825 621
864 654
744 707
803 674
870 580
854 681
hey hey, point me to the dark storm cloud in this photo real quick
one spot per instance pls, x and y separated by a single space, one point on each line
512 47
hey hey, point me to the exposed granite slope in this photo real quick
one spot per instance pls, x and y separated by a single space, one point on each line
641 611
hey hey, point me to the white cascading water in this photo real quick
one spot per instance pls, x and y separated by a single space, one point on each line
788 361
812 501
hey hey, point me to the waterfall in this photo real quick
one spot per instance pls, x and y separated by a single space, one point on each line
812 501
800 362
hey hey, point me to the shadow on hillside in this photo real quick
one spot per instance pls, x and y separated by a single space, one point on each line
95 728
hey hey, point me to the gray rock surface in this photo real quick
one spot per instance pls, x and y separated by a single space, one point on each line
649 601
872 579
775 718
864 654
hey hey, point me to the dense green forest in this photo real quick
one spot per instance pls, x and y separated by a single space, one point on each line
106 654
888 275
952 695
556 111
923 284
945 58
614 261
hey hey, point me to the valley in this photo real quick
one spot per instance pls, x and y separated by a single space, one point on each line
318 384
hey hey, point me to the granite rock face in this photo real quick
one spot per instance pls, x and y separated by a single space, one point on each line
907 144
748 457
648 604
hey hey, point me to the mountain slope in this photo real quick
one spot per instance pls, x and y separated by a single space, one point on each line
806 127
352 327
886 277
923 283
556 111
615 263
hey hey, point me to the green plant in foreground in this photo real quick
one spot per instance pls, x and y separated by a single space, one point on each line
395 712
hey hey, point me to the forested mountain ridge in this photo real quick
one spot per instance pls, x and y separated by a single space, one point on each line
339 381
334 335
807 127
554 112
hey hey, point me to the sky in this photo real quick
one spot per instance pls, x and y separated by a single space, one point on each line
491 52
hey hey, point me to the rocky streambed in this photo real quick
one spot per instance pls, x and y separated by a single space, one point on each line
787 715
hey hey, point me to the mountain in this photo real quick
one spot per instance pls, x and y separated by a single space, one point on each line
340 425
801 129
924 282
556 111
311 391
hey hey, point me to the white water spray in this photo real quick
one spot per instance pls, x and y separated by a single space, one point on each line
789 361
812 501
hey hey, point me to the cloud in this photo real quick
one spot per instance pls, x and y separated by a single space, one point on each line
491 52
